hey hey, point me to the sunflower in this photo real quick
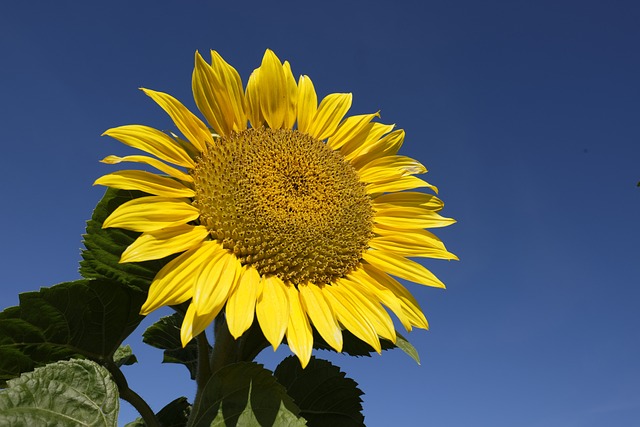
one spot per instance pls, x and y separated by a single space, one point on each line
279 208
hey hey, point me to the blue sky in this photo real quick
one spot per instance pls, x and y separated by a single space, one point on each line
525 113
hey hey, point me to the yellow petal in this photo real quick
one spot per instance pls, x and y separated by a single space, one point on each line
272 90
151 213
408 182
321 314
369 307
145 181
389 167
401 267
354 148
272 309
190 126
204 84
387 146
252 99
186 329
193 324
233 88
292 95
408 199
216 281
354 128
161 166
161 243
407 247
299 334
153 142
329 114
418 237
367 285
410 306
241 305
217 90
307 103
411 218
175 282
351 317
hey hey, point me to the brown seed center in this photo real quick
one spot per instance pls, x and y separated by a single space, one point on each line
284 203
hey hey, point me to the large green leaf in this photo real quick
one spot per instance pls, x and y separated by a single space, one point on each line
325 396
101 258
68 393
87 318
165 335
174 414
245 394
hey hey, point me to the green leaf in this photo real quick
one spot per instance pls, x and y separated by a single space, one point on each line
248 418
165 335
85 318
101 258
174 414
124 356
69 393
323 393
245 392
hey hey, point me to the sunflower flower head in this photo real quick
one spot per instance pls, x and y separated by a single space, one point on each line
278 207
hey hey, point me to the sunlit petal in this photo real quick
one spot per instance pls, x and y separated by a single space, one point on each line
241 305
272 309
146 182
299 334
151 213
164 242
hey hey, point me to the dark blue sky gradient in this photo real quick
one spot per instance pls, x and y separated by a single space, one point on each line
525 113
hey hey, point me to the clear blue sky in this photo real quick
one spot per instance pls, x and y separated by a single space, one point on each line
526 113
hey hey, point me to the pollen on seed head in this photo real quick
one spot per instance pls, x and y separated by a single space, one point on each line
284 203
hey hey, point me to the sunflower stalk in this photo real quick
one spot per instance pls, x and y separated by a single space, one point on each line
131 396
203 374
225 348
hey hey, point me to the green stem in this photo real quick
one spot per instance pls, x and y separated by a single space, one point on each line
131 396
225 348
202 376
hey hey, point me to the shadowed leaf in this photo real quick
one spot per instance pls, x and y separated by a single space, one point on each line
325 396
165 335
174 414
246 394
64 321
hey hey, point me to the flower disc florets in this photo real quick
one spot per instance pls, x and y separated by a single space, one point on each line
284 203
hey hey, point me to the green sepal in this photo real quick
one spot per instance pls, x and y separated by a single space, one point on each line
245 394
325 396
85 318
104 246
67 394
